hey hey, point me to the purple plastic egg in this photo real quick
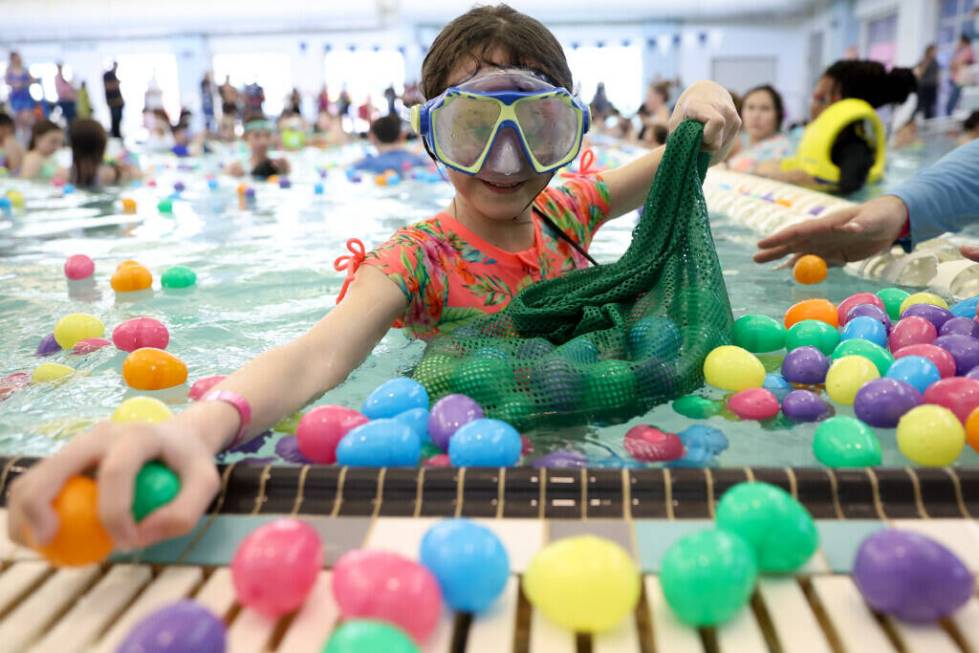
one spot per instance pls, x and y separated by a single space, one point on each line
448 414
934 314
869 310
882 402
805 365
562 459
47 346
287 449
805 406
962 326
184 627
964 349
910 576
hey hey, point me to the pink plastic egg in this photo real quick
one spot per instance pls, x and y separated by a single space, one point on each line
912 330
275 567
141 332
754 403
79 266
650 444
321 429
88 345
382 585
203 385
438 460
855 300
941 358
959 394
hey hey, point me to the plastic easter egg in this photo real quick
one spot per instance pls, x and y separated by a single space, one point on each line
156 485
153 369
203 385
178 276
417 420
892 299
47 346
733 368
366 635
77 326
128 205
696 407
140 332
386 586
846 376
965 308
659 337
16 198
584 583
805 365
610 385
753 403
972 429
711 440
471 377
580 350
777 385
485 443
777 527
318 188
649 444
810 269
469 562
813 333
923 298
882 402
880 357
143 410
964 349
395 397
844 441
938 356
560 384
448 414
869 310
165 206
959 394
46 372
759 333
812 309
962 326
515 409
89 345
81 539
130 278
184 627
321 430
562 459
79 266
276 565
930 435
912 330
910 576
379 443
708 577
805 406
848 304
934 314
917 371
865 328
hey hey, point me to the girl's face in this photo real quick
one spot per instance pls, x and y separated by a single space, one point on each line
758 115
259 140
50 142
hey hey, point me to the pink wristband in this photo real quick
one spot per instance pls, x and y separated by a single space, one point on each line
240 404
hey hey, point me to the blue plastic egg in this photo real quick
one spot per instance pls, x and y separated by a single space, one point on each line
865 328
579 350
394 397
380 443
417 420
916 371
318 188
68 189
702 444
184 627
469 562
212 184
777 385
485 443
965 308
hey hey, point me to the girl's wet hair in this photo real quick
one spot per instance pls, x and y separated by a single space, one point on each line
480 32
40 128
776 102
88 140
871 82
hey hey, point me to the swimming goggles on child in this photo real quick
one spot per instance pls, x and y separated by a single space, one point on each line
496 115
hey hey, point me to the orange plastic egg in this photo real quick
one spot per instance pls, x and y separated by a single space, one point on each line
810 269
822 310
131 276
972 429
81 539
128 205
153 369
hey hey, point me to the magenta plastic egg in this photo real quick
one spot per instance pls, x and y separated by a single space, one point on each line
650 444
941 358
753 403
448 414
275 567
79 267
964 349
844 307
959 394
88 345
140 332
203 385
321 429
382 585
882 402
911 330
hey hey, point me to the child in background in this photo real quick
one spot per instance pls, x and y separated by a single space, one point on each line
970 128
89 169
387 137
46 139
328 131
11 152
504 225
259 138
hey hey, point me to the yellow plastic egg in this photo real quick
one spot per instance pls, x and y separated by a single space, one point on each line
922 298
146 410
846 376
75 327
584 583
930 435
46 372
16 198
128 205
734 369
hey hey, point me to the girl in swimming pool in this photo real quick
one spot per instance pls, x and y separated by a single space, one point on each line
89 168
502 120
46 139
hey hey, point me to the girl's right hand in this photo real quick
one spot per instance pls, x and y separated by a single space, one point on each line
117 452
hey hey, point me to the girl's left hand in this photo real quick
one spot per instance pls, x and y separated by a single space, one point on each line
711 104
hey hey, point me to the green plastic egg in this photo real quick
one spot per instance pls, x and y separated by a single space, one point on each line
485 380
759 333
178 276
813 333
165 205
434 372
514 409
880 357
156 486
696 407
288 424
893 298
844 441
777 527
610 385
367 636
707 577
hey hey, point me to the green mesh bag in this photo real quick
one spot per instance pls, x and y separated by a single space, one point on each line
605 343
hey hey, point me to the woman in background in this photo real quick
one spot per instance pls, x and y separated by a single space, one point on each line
761 138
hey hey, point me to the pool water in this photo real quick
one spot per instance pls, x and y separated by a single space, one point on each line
265 274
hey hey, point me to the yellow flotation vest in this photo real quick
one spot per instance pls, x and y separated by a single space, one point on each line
813 156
